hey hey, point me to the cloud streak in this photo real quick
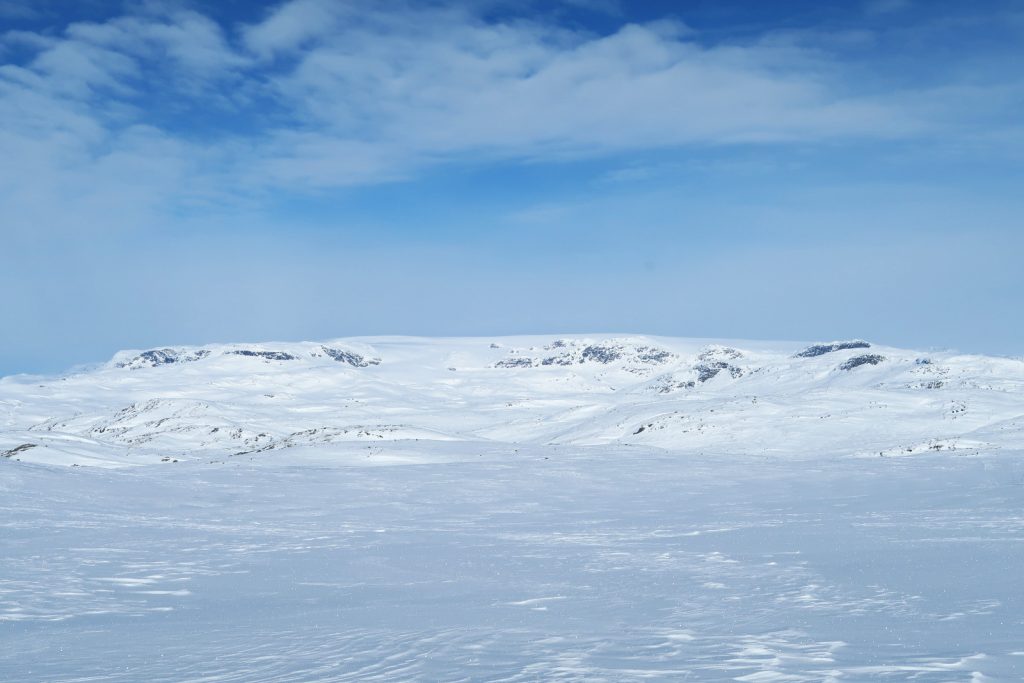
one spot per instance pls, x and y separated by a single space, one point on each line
162 114
425 88
323 94
167 173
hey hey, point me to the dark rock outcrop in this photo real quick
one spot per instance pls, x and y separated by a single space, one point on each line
266 355
514 363
353 359
17 449
857 361
816 350
155 357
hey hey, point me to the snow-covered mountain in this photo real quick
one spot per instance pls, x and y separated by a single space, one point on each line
380 394
607 508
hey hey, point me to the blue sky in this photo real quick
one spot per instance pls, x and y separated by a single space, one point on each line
190 172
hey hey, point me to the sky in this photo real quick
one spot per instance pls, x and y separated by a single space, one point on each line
197 172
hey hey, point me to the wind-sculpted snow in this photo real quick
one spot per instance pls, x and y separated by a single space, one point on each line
215 402
605 508
540 563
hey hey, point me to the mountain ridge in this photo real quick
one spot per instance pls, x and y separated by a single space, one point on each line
349 395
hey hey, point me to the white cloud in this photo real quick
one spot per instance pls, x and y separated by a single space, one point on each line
183 46
293 24
326 94
423 86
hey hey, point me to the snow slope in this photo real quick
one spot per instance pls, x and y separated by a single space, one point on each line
555 563
578 509
318 399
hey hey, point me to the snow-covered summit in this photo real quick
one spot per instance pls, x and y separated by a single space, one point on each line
135 360
282 399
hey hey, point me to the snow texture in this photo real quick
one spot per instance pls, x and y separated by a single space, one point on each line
460 509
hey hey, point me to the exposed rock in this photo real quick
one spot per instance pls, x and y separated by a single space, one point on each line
670 386
821 349
17 449
716 353
714 359
706 371
600 354
155 357
857 361
633 357
648 354
514 363
353 359
266 355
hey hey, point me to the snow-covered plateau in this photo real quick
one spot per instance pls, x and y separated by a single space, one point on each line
601 508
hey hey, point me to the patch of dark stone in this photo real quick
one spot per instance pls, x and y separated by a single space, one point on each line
155 357
17 449
600 354
857 361
353 359
706 371
719 352
266 355
514 363
709 370
651 355
816 350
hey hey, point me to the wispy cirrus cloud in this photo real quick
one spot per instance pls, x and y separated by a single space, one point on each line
164 108
175 171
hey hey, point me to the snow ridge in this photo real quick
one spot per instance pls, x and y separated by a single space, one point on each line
686 395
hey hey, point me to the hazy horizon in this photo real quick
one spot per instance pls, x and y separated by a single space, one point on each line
190 172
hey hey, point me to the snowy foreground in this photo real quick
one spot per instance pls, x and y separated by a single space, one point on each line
516 509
